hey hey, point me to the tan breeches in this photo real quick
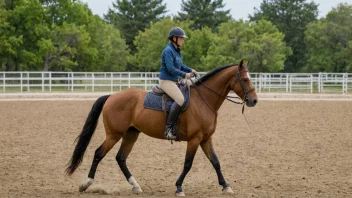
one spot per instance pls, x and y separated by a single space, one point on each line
172 90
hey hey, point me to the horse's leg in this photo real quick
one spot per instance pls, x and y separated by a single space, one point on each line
128 141
109 142
192 147
207 147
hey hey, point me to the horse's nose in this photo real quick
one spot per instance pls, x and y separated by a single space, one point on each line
252 102
255 102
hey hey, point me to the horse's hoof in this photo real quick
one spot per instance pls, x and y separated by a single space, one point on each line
82 188
227 190
180 194
137 190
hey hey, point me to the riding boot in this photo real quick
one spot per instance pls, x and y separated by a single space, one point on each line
171 121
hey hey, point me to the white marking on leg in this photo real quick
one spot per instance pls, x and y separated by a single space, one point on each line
84 186
180 194
227 190
136 188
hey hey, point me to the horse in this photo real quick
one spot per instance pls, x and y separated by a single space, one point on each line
124 116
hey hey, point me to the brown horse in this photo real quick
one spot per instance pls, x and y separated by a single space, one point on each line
125 116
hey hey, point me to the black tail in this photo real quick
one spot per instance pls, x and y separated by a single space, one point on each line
86 135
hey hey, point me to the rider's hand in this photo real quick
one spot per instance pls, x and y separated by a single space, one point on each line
194 72
188 75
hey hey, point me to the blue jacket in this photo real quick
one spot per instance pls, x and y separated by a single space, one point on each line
171 64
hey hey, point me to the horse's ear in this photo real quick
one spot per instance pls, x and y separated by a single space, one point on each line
241 63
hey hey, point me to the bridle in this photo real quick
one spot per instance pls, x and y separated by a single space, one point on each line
244 100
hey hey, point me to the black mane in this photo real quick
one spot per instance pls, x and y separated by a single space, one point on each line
213 72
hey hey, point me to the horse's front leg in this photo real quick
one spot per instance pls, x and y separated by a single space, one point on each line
208 149
192 147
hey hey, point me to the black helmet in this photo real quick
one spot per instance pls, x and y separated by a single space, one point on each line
177 32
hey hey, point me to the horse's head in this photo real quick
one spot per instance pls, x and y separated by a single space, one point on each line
242 85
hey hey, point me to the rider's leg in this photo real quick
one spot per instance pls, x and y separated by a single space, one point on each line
174 92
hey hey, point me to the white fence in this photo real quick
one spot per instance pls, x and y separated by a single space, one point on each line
116 81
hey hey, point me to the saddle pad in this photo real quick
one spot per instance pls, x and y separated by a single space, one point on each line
155 102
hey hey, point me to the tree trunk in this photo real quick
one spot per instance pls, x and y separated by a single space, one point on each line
46 62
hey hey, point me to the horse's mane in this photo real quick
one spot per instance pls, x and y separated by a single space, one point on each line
213 72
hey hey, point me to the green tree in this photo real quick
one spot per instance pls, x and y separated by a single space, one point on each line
132 16
204 13
22 27
68 11
81 42
196 48
151 43
291 18
112 50
329 42
261 43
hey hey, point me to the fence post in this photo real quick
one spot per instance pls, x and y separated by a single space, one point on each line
346 82
85 82
120 81
311 83
260 82
28 86
49 81
111 82
145 81
3 83
319 86
288 83
21 82
72 82
92 82
129 79
42 81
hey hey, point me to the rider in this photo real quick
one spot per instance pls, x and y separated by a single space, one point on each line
171 69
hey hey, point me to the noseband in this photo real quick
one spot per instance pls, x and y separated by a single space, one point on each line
241 82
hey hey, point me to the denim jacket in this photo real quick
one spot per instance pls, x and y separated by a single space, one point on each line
172 65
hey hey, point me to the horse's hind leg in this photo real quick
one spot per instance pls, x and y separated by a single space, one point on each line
128 141
109 142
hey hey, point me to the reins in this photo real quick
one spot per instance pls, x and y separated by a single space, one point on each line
229 98
226 97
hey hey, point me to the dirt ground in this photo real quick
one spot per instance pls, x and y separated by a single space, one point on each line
293 149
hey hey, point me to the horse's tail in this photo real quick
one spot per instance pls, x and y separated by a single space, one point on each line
86 135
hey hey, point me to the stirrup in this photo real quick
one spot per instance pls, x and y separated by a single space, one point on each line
170 136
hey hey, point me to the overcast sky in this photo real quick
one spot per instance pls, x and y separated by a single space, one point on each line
239 8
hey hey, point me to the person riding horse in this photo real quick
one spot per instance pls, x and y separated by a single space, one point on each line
172 67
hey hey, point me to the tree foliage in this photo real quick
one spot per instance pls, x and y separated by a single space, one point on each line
291 18
196 48
261 43
64 35
56 35
132 16
204 13
329 42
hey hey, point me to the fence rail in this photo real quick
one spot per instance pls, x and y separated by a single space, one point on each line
117 81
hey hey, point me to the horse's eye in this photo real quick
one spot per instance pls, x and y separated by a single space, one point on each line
245 80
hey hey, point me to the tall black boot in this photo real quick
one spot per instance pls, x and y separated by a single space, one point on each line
171 120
